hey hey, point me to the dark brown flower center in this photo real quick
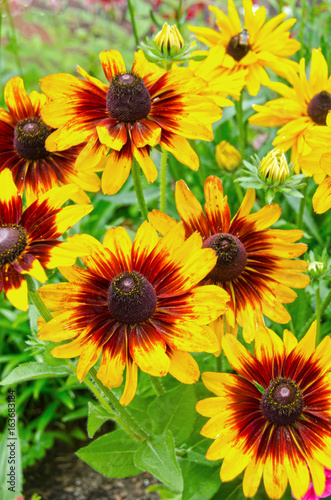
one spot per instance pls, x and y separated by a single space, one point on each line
128 99
12 243
131 298
282 402
29 138
238 46
231 256
319 107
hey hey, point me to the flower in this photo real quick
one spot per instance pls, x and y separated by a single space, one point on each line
318 163
221 81
138 109
254 263
28 240
311 493
271 174
169 38
273 417
227 156
253 46
301 106
138 304
274 166
22 147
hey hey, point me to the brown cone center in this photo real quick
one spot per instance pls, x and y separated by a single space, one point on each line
29 138
319 107
282 402
128 99
231 256
12 243
131 298
239 46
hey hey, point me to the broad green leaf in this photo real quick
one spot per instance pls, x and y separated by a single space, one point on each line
138 411
112 455
175 411
97 415
49 359
157 455
32 371
200 482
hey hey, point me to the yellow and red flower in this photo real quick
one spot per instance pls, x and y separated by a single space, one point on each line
318 163
253 46
273 418
22 148
137 304
135 111
28 239
254 263
305 104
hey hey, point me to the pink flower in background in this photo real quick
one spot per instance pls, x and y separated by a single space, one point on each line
311 495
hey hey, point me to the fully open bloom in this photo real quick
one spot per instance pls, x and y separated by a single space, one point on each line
22 147
318 163
137 304
28 240
254 45
254 263
311 493
138 109
301 106
274 417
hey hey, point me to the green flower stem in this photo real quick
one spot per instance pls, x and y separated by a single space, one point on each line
163 194
13 37
220 363
322 308
239 191
179 13
241 126
157 385
121 415
120 410
318 315
133 22
36 299
281 3
135 171
302 205
302 27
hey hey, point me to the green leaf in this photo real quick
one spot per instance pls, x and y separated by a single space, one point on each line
97 415
49 359
200 482
175 411
32 371
112 455
157 455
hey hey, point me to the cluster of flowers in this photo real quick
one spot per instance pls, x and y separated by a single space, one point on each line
149 303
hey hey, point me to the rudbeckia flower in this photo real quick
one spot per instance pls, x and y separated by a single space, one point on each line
254 263
136 110
29 239
305 104
221 81
137 304
273 418
253 45
22 147
318 163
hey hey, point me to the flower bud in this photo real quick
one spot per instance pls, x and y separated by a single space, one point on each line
227 156
169 38
274 166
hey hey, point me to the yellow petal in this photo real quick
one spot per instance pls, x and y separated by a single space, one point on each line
183 367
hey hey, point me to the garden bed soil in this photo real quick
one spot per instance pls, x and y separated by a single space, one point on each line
61 475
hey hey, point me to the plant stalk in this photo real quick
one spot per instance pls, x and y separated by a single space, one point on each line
135 171
163 194
133 22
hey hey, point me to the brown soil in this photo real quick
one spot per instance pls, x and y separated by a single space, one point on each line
61 475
